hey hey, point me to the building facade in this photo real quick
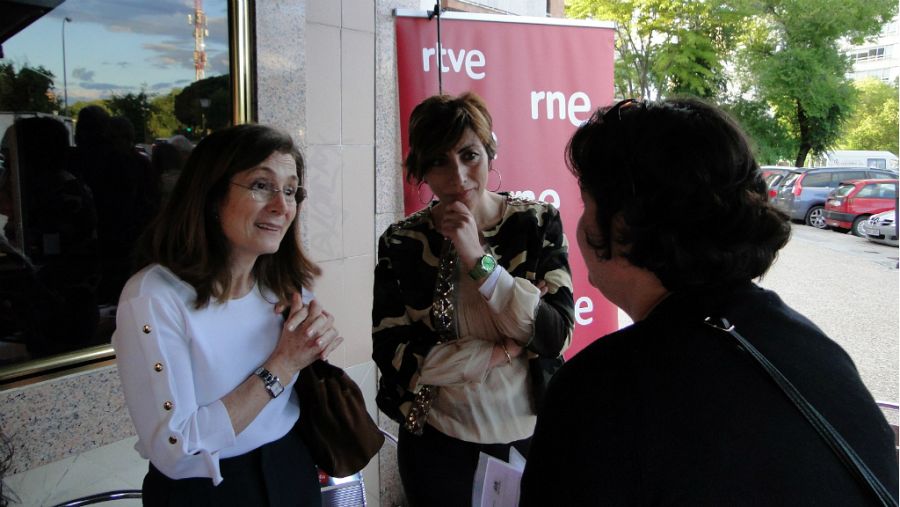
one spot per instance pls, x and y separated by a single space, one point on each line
324 71
878 57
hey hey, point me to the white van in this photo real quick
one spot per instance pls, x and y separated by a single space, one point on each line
860 158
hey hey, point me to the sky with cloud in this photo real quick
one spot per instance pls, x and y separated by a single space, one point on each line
121 46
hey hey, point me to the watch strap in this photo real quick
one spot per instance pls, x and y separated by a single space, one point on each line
271 381
484 266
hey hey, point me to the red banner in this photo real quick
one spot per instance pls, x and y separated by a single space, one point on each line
541 79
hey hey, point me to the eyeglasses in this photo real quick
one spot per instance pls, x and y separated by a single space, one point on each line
615 112
261 191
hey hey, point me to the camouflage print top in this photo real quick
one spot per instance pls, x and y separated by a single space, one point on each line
410 295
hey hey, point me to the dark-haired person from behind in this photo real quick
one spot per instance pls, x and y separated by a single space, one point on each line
207 360
670 410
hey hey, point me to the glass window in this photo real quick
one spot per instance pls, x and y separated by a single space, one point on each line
879 190
789 181
822 179
867 55
887 190
876 163
101 101
849 175
870 190
843 190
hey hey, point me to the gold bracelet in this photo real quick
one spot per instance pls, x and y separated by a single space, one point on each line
508 357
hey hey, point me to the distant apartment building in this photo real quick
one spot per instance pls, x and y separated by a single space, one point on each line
537 8
878 57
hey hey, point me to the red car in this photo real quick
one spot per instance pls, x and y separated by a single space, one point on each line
852 202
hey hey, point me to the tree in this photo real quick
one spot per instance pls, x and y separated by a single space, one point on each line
667 46
76 108
135 107
212 91
29 89
770 138
792 58
873 125
163 122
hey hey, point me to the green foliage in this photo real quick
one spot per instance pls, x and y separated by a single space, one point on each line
788 82
770 139
29 89
76 108
791 55
136 107
163 122
873 125
667 46
198 119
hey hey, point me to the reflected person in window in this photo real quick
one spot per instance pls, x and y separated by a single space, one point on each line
206 358
52 298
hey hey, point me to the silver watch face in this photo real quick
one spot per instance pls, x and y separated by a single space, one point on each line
275 388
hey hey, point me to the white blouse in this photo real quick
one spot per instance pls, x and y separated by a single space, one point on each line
476 403
177 363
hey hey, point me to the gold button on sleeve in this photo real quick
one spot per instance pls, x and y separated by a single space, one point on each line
168 405
146 329
158 367
173 440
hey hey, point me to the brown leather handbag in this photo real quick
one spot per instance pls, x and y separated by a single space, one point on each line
334 423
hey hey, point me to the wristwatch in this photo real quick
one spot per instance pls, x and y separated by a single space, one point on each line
272 382
484 266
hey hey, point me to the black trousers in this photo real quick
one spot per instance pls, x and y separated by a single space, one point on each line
438 470
280 473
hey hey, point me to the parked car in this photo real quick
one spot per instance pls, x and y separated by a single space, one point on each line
802 194
851 204
768 170
773 176
882 228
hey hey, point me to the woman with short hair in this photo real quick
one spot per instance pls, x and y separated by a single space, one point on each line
472 307
670 410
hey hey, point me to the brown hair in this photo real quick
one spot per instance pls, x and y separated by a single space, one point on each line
438 123
186 236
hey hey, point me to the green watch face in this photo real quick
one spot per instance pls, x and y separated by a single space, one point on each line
488 263
484 267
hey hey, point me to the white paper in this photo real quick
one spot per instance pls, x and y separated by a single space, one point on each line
516 460
496 481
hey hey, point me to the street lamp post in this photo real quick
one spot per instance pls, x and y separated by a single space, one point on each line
204 104
67 19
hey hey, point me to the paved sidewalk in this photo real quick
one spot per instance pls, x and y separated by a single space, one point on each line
850 287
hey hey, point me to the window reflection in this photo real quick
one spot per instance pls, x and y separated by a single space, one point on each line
101 102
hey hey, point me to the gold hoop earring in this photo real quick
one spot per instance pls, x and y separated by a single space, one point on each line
419 192
499 176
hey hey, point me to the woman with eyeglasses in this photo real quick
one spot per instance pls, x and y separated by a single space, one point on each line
206 357
472 307
675 409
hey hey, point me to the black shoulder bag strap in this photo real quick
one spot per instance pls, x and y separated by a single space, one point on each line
841 448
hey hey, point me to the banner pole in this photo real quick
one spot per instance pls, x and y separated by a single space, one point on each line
431 14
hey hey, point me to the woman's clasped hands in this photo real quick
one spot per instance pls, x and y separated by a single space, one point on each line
308 334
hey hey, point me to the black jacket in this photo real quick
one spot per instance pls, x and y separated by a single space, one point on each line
670 411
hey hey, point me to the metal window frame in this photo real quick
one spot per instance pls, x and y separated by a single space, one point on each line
242 64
